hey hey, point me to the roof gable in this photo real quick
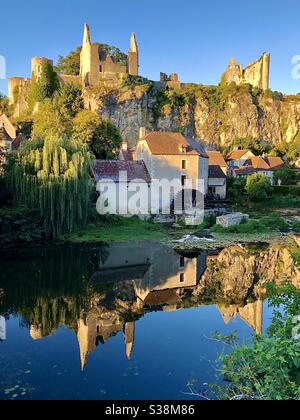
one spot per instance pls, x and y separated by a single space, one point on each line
110 169
239 154
215 171
169 143
216 158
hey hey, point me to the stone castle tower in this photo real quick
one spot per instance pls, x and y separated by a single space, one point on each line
257 73
97 66
18 87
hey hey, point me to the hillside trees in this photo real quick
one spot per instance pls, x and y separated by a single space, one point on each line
103 138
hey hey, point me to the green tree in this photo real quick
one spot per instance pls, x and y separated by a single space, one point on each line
49 122
4 105
236 188
103 138
44 88
70 64
286 175
258 187
69 99
52 176
258 147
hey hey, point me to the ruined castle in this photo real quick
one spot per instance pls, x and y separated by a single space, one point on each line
98 67
256 74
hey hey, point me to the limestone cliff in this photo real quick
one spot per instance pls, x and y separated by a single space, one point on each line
215 114
238 273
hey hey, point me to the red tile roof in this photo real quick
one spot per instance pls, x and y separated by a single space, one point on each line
110 169
237 154
168 143
216 158
258 163
274 162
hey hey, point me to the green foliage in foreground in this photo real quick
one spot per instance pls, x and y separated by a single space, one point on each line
264 225
19 225
113 228
269 368
258 187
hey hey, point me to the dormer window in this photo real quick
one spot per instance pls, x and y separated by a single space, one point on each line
183 148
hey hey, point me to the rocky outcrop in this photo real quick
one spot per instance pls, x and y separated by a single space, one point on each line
214 114
238 273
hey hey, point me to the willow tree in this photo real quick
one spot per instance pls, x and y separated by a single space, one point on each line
52 176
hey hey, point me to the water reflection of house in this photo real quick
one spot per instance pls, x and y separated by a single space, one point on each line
133 279
158 275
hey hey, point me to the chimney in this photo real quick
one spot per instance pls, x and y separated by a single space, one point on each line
143 133
125 145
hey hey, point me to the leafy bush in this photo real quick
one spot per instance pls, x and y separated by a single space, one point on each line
236 188
266 224
286 190
286 175
269 368
258 187
19 224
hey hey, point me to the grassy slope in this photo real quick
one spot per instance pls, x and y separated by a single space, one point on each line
125 230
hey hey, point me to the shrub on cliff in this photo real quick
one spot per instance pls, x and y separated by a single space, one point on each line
44 88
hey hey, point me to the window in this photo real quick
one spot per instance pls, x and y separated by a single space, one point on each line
183 164
183 179
182 278
100 69
182 262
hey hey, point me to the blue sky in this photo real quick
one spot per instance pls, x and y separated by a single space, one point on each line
194 38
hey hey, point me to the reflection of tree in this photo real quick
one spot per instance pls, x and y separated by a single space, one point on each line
48 286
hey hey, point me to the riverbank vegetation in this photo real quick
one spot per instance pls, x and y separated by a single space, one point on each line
269 367
113 228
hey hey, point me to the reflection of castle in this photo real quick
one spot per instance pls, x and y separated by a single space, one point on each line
100 291
252 314
158 275
132 280
160 279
